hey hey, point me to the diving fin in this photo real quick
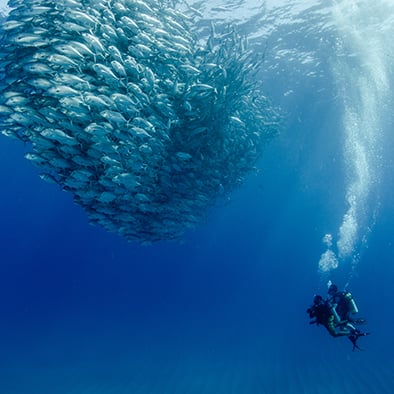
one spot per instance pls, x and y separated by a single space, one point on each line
354 337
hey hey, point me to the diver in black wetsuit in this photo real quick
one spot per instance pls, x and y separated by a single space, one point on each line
322 312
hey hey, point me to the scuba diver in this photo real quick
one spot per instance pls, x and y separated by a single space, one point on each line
323 312
343 305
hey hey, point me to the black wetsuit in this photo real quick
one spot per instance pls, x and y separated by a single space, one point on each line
323 315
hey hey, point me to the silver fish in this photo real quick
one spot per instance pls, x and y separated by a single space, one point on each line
59 135
94 43
62 91
63 61
114 117
38 68
129 24
105 73
29 40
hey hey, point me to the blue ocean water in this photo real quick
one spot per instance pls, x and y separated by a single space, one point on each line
223 309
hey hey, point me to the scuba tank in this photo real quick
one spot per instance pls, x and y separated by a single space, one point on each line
352 304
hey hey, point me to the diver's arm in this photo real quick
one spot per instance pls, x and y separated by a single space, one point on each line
333 310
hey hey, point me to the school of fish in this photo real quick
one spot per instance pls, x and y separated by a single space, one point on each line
125 108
